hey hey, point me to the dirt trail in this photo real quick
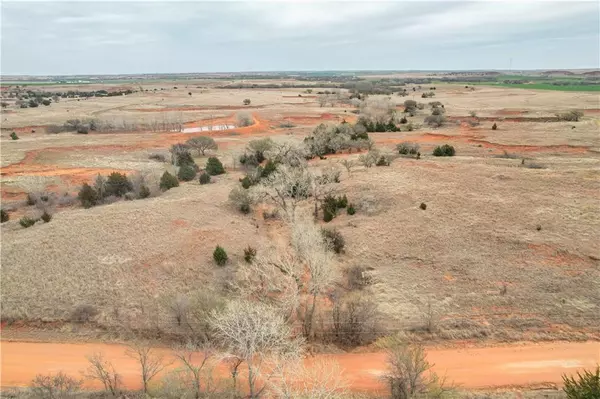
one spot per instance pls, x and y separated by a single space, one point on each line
472 368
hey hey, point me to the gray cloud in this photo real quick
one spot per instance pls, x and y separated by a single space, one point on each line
169 36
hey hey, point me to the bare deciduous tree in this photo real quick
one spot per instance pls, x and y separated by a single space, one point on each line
104 371
286 187
252 331
150 363
308 242
409 374
348 164
57 386
202 143
319 380
198 363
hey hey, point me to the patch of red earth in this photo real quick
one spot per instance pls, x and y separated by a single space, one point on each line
180 223
26 129
309 120
591 111
556 257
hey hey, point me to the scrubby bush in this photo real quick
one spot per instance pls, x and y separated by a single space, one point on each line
144 192
355 321
444 151
117 184
407 148
572 116
26 221
214 166
241 199
246 182
157 157
4 217
435 120
351 210
244 119
220 256
342 201
14 136
83 130
249 254
83 314
585 386
204 178
328 215
383 161
88 196
57 386
46 217
168 181
33 104
403 120
357 278
423 206
247 101
334 240
494 126
186 173
269 168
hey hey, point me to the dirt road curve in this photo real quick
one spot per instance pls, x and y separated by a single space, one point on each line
473 368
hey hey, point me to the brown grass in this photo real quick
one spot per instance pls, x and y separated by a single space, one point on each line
477 235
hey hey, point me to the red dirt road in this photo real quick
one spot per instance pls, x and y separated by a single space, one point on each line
471 368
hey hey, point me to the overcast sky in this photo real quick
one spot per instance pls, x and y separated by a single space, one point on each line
49 38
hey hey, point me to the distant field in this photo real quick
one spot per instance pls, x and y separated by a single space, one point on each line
548 86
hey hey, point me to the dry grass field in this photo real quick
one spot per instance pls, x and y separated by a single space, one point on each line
502 252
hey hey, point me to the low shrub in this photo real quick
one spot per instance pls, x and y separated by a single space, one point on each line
494 126
357 278
328 215
383 161
249 254
246 182
220 256
572 116
241 199
83 314
4 217
342 201
334 240
204 178
423 206
214 166
88 196
407 148
46 217
435 120
14 136
444 151
26 221
144 192
83 130
403 120
351 210
186 173
269 168
158 157
168 181
585 386
117 184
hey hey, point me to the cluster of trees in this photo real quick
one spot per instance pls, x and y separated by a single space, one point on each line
32 99
328 139
113 187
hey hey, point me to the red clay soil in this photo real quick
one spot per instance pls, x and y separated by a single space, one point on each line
523 365
591 111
